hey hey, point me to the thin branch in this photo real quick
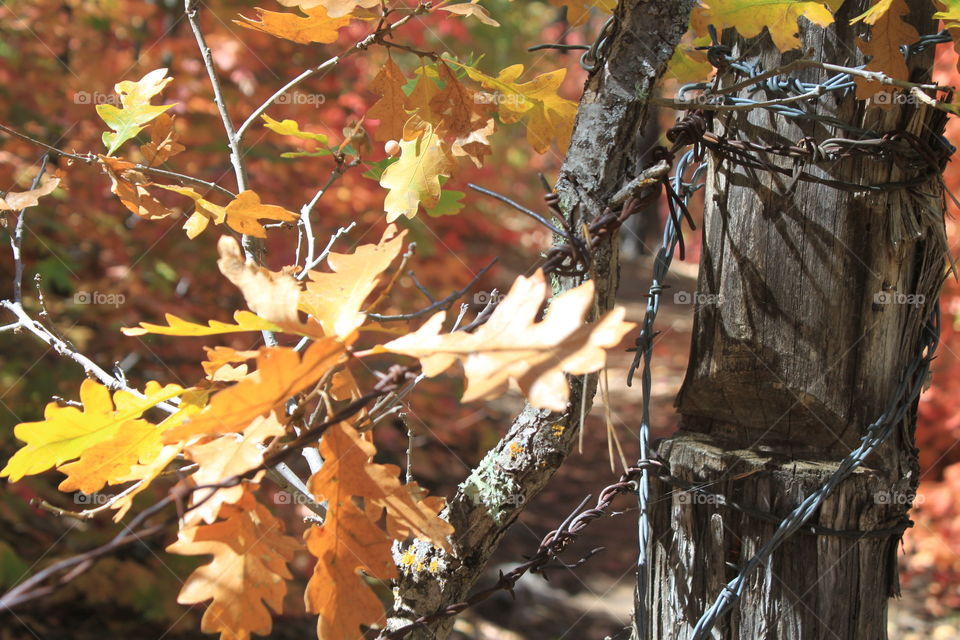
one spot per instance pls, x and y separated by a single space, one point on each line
64 349
438 305
16 239
519 207
323 255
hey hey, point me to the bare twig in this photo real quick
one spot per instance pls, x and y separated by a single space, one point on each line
438 305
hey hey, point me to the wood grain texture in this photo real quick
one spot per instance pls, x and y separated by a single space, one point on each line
791 359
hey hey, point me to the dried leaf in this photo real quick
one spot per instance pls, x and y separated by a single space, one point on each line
245 212
163 142
389 109
130 186
248 572
475 10
269 294
349 539
317 26
335 298
888 31
225 457
16 200
513 348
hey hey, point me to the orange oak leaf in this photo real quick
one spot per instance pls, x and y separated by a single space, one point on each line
131 187
191 402
335 298
350 540
346 543
245 212
163 141
511 347
888 31
224 457
248 572
16 200
218 366
316 26
389 109
280 374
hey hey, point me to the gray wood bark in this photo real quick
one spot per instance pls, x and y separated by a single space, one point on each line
596 166
791 359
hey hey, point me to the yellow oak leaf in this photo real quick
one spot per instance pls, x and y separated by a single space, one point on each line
66 433
135 111
389 109
335 298
414 179
750 17
245 212
204 212
888 31
549 117
16 200
280 374
224 457
350 540
248 572
245 321
191 402
163 141
317 26
511 347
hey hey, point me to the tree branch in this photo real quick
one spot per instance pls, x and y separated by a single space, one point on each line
611 111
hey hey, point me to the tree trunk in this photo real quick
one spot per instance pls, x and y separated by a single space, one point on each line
816 300
597 165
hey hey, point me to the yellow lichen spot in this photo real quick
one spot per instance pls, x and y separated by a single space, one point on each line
419 566
434 565
515 449
558 430
408 558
